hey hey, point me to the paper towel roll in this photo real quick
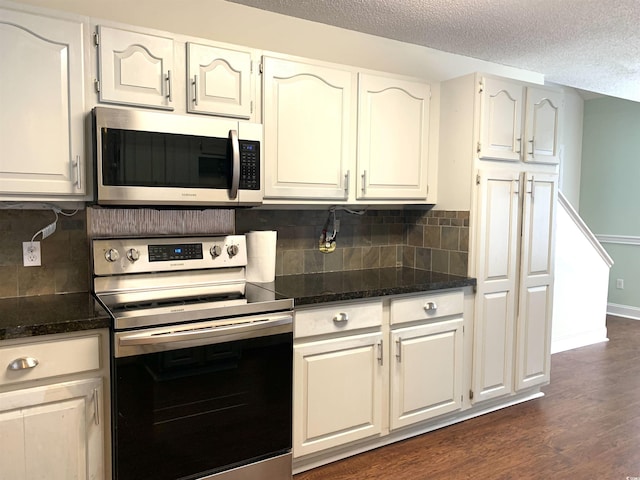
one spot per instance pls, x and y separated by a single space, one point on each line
261 256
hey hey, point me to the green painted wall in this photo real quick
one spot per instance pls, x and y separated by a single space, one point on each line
610 186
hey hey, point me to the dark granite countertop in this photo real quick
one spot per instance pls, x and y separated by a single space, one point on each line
45 314
354 284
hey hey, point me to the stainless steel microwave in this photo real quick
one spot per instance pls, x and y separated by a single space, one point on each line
152 158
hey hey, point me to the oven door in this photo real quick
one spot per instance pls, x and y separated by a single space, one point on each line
149 158
212 404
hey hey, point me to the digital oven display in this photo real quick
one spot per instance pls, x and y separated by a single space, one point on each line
165 253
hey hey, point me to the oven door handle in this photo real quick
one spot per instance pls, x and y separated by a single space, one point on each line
201 334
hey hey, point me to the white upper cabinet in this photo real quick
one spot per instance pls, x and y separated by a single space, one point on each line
500 119
314 122
309 119
393 126
218 81
42 112
135 68
518 122
543 107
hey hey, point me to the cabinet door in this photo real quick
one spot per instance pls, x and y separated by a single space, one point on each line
218 81
135 68
42 98
497 239
393 132
309 115
500 119
337 392
543 110
426 373
53 432
533 347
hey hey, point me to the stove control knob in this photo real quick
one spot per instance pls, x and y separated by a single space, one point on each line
215 251
112 255
133 255
232 250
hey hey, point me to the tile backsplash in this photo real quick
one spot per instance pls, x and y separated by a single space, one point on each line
426 239
65 254
430 240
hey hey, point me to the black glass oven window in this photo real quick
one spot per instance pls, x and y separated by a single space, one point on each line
135 158
182 414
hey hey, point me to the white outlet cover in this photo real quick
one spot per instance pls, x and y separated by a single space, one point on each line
31 254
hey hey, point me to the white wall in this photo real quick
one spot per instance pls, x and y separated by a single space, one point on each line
571 145
580 290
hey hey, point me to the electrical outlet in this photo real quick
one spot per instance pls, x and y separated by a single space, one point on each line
620 283
31 254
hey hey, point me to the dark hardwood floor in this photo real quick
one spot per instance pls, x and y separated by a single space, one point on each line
587 426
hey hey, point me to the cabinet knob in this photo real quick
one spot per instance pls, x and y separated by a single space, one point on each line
341 318
430 306
23 363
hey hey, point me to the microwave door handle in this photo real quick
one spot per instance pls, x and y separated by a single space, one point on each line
235 175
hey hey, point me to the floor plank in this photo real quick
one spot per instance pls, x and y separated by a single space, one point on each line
587 426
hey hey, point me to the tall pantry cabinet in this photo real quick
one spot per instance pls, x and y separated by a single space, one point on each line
499 150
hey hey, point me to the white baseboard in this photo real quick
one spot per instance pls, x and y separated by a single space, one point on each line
625 311
582 339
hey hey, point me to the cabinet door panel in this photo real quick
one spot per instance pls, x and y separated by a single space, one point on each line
42 98
218 81
500 119
497 253
426 374
393 127
533 347
543 110
308 118
58 431
135 68
337 392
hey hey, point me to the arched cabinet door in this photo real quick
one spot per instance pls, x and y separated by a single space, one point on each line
393 133
309 130
135 68
543 112
42 106
218 81
500 119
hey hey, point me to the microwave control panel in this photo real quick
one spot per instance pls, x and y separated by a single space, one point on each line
249 165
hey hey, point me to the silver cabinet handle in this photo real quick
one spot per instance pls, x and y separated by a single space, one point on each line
96 406
235 173
347 177
195 90
380 352
533 146
519 151
399 349
76 167
341 318
533 188
23 363
364 182
430 306
169 89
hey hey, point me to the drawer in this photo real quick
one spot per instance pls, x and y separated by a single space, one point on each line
53 357
427 307
337 317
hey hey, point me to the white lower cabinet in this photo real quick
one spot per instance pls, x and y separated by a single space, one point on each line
53 432
337 391
53 408
426 371
364 369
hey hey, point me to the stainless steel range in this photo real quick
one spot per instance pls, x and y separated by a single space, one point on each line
202 361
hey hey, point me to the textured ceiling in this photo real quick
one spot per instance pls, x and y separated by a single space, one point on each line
593 45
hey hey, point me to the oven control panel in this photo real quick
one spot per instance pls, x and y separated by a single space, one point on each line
147 255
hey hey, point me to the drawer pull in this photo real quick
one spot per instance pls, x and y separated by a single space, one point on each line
23 363
341 318
430 306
